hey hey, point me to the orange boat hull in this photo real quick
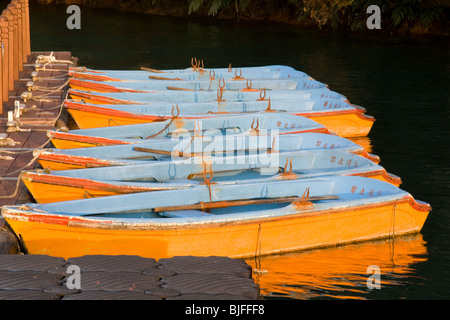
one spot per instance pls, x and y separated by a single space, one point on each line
48 188
66 236
344 124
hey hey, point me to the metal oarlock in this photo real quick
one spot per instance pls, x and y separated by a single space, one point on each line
207 181
262 95
305 196
178 111
212 75
222 87
248 85
196 66
288 174
220 95
269 107
238 77
285 166
255 129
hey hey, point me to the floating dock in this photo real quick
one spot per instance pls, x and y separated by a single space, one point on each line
31 103
24 122
101 277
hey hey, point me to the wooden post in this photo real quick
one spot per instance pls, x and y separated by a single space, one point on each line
15 42
1 68
8 14
4 34
20 36
26 7
24 31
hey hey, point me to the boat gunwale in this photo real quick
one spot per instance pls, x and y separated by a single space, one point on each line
101 109
22 213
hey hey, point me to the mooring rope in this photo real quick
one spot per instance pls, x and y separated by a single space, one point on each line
392 235
32 149
168 124
17 127
49 92
51 58
16 189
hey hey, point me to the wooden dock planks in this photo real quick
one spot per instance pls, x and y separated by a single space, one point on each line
39 277
40 114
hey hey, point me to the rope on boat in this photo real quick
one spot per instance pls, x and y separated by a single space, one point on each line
392 235
8 142
16 189
45 89
48 61
392 229
30 150
28 96
167 125
63 76
257 270
17 127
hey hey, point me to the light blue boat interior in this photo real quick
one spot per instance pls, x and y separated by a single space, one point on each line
233 170
185 109
262 72
222 125
217 146
138 208
214 84
178 96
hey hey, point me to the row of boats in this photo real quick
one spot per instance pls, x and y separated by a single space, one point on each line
230 162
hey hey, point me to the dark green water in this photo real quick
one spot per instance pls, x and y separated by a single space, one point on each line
403 83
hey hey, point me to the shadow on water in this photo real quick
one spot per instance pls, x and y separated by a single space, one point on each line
403 83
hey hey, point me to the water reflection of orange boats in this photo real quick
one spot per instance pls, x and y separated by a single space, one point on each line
363 142
338 272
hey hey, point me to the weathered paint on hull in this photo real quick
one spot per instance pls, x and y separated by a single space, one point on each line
348 125
99 88
70 144
89 120
67 163
56 161
47 189
71 141
66 236
99 100
352 124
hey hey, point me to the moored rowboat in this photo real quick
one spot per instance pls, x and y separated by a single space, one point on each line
217 147
227 220
195 73
339 117
252 124
193 85
180 96
167 175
